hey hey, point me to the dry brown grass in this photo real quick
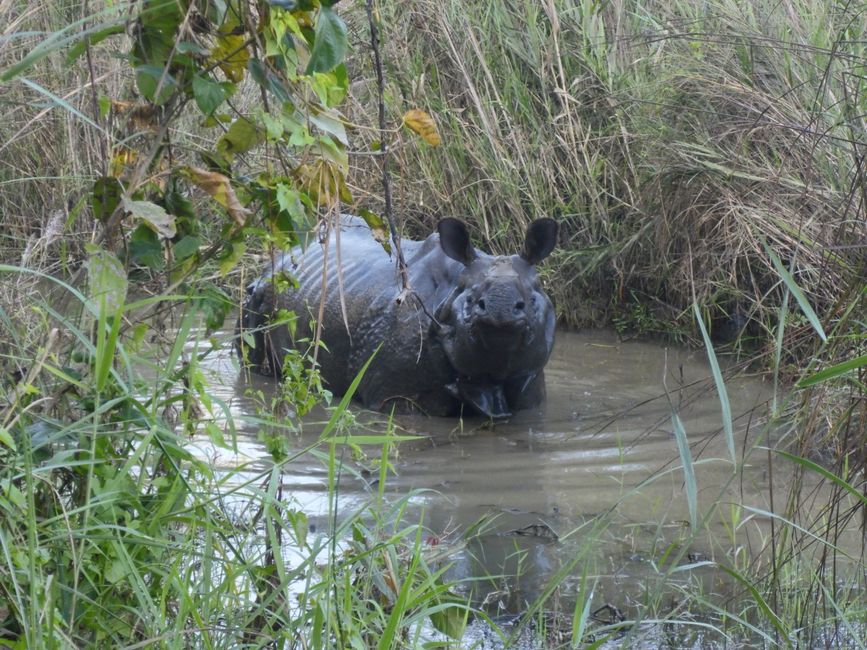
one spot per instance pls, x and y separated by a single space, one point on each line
671 142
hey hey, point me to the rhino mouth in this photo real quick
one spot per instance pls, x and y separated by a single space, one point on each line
501 337
485 397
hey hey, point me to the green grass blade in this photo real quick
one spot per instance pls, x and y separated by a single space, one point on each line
760 601
801 529
843 616
70 34
62 103
582 609
6 268
796 291
724 403
778 348
809 464
105 349
688 469
832 372
344 401
389 638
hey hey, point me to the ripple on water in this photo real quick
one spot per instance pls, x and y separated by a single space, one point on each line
601 444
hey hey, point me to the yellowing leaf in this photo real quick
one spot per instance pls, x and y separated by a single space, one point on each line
423 124
144 117
121 159
219 188
231 54
324 182
378 228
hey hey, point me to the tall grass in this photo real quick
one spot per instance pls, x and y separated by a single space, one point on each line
672 139
113 533
706 162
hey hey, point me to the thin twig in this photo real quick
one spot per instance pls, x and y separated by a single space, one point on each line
386 179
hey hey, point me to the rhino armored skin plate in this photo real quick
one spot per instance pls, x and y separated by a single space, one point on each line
475 339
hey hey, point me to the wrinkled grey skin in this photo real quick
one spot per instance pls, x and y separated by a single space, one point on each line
479 343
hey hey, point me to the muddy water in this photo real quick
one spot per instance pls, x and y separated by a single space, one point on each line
594 474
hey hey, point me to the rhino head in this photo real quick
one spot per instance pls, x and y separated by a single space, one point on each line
497 325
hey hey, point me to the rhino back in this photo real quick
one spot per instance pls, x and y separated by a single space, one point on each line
409 364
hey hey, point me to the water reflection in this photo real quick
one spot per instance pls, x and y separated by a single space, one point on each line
601 445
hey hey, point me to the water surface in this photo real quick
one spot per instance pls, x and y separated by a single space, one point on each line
594 473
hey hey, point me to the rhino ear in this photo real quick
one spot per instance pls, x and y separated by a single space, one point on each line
455 240
541 240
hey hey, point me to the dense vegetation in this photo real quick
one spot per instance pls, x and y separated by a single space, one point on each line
705 161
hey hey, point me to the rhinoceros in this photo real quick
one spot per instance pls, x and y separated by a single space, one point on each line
475 338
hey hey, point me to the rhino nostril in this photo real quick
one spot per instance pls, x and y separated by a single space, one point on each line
482 304
519 306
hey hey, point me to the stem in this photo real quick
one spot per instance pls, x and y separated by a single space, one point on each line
386 179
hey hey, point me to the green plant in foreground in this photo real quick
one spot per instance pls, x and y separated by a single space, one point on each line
114 533
679 162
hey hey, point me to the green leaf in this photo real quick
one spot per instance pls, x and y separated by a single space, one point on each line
328 86
214 304
79 48
688 469
450 617
189 47
332 152
182 207
269 81
329 45
209 94
106 277
242 136
145 248
378 228
185 247
296 126
116 571
330 122
796 291
105 196
230 255
215 434
6 438
9 490
833 371
273 127
724 403
231 54
153 84
153 215
162 15
290 202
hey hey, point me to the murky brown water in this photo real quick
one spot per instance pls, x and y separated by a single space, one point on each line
602 444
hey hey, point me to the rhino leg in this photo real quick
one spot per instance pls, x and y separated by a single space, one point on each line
485 397
526 391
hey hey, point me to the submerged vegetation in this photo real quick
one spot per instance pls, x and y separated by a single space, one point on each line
705 162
